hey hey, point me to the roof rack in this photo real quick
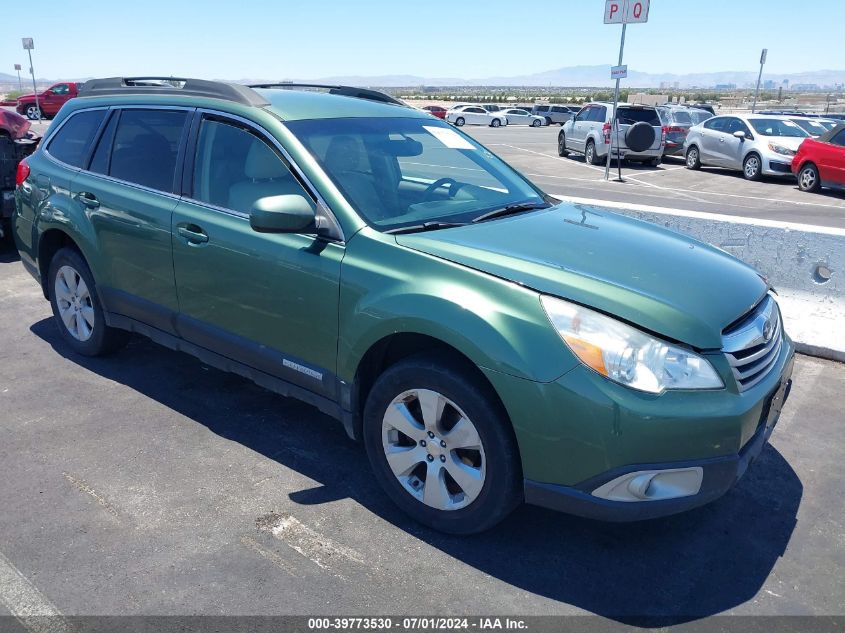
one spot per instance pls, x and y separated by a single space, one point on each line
172 85
346 91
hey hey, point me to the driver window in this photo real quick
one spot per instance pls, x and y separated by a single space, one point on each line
234 168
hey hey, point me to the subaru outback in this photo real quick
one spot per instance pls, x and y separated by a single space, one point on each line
488 344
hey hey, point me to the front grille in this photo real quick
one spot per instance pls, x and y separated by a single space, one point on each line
752 345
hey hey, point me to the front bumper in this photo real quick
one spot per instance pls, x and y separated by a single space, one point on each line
780 166
582 431
720 474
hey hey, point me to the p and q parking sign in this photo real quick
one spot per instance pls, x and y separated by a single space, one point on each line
626 11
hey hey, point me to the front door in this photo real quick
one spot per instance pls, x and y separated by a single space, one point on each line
268 300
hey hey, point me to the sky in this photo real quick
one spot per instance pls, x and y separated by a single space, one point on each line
468 39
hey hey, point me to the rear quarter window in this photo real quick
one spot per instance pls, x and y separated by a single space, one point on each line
72 142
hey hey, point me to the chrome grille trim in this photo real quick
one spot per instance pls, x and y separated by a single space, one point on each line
750 354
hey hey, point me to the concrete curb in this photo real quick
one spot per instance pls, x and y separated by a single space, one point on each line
802 262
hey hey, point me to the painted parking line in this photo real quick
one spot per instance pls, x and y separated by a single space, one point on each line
702 215
28 605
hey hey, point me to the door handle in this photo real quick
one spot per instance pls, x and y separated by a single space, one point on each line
88 199
193 233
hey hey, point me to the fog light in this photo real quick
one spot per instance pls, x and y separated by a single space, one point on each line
653 485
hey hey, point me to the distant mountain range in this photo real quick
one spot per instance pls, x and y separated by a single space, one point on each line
572 76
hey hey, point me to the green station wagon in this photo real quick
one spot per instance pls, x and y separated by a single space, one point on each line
487 344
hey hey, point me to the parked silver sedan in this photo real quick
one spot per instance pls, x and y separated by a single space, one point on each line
518 116
756 144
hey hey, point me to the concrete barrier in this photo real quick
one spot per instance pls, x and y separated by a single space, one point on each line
804 263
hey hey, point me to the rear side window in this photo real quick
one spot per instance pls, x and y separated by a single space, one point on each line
72 142
145 146
839 139
629 116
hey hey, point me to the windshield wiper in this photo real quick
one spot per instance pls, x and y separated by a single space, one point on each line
425 226
511 209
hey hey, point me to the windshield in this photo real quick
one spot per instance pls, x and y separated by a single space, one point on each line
815 128
400 172
777 127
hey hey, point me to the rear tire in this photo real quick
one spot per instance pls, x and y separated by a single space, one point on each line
590 155
76 306
693 158
809 179
459 122
752 167
561 145
487 484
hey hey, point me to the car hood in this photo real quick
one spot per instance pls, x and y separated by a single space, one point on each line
657 279
14 124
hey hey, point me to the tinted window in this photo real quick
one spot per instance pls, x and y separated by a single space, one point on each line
234 168
629 116
839 139
542 108
61 89
584 114
100 161
74 139
145 147
682 118
717 124
558 109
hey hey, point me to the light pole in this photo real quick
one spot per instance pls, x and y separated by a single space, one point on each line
759 77
28 45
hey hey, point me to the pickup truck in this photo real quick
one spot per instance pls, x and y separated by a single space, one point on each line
49 102
16 143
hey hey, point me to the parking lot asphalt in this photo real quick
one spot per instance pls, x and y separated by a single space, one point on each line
148 483
533 151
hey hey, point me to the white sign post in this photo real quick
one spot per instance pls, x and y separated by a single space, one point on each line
622 12
759 77
28 45
20 85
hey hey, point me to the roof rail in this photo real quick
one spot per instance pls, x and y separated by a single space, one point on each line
346 91
172 85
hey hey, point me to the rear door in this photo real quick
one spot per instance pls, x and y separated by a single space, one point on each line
712 135
129 191
577 138
268 300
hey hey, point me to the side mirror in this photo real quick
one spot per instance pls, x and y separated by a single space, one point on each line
282 214
740 135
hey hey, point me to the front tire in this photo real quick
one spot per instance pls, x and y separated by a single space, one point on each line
76 306
495 123
33 112
752 167
536 123
693 158
440 445
809 179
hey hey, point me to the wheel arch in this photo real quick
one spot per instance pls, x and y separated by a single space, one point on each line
50 241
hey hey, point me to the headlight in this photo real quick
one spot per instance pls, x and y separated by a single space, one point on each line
625 354
780 149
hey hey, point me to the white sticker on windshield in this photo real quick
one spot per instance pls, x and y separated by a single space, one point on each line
790 124
449 138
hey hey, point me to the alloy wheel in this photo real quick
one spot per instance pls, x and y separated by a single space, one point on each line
74 303
433 449
752 166
692 157
807 179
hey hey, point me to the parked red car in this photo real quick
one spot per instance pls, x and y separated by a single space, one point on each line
820 162
50 101
437 111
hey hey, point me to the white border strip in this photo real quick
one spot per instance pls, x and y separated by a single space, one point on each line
702 215
32 609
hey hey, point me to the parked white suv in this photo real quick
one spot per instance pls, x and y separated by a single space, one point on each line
589 133
475 115
757 144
